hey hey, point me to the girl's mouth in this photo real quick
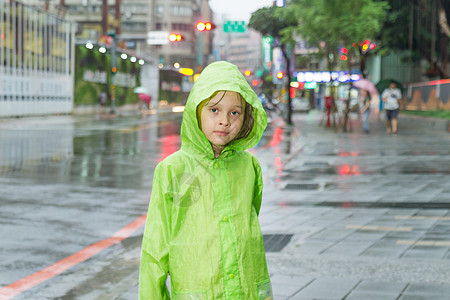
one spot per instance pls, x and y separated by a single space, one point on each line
221 133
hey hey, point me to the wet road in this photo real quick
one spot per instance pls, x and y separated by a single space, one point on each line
68 182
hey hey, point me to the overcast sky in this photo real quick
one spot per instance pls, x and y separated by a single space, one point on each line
237 10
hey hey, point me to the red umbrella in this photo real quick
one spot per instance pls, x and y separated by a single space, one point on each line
367 85
145 98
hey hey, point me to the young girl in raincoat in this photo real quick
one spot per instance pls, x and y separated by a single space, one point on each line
202 225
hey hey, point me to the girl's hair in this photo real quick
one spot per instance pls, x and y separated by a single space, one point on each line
247 123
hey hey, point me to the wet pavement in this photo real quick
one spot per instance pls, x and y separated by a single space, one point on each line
344 215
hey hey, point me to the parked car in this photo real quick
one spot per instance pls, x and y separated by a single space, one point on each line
300 105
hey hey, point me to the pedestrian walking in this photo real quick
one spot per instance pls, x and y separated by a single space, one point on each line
202 224
365 109
102 101
392 98
145 101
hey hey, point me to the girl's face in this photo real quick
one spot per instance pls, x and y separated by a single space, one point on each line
221 120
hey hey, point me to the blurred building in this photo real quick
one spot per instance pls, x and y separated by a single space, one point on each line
181 17
131 20
244 49
36 61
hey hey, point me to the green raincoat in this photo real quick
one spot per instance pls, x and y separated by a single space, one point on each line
202 224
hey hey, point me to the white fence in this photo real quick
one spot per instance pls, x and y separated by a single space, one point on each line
36 61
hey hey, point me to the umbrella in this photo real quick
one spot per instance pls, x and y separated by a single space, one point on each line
384 84
367 85
145 98
141 90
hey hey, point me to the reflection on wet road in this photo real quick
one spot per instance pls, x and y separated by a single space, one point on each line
68 182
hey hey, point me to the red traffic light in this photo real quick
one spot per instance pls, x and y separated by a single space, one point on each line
205 26
344 50
175 37
343 57
280 75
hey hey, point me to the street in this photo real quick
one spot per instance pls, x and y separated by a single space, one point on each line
68 182
344 215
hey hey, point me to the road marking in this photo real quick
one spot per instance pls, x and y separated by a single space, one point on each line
422 218
379 228
134 128
26 283
423 243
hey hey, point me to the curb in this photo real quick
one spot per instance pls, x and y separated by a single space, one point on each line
430 123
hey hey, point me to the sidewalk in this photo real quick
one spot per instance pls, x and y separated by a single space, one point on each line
352 209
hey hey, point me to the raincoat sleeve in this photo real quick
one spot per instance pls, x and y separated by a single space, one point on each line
155 244
257 198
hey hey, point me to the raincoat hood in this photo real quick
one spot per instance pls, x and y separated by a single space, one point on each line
219 76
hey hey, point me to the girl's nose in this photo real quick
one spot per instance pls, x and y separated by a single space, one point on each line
224 121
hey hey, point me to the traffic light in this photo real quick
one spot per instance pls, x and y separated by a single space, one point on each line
247 72
367 45
113 70
175 37
280 75
205 26
344 52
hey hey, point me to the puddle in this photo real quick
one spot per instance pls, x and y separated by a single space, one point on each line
276 242
302 186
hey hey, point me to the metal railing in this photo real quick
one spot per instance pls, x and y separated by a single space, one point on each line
36 61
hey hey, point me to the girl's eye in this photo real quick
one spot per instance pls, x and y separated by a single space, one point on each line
213 110
235 113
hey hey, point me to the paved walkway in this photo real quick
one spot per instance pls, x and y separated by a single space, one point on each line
368 214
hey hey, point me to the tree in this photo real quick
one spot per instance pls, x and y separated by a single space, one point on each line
270 21
420 27
333 24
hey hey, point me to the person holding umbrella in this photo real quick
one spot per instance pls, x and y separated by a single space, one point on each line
366 87
392 98
365 109
144 97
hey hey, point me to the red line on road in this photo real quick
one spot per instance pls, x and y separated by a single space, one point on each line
26 283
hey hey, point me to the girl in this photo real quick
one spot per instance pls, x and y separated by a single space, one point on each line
202 224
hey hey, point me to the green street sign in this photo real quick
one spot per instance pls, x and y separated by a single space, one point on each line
310 85
234 26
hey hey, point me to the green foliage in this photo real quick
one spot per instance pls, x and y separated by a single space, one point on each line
272 20
86 92
442 114
418 19
335 23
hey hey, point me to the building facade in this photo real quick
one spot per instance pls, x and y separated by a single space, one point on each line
36 61
181 17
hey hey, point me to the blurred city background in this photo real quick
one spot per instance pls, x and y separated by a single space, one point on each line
91 100
69 56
